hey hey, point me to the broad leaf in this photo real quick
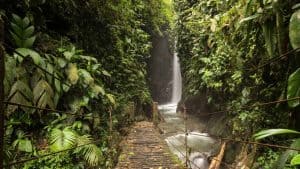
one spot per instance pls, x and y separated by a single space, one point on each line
61 62
72 73
24 52
23 145
17 19
79 102
271 132
17 30
88 79
28 32
43 95
96 90
29 42
111 98
10 73
104 72
23 88
295 160
62 139
294 29
293 89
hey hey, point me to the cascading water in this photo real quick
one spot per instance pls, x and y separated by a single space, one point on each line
201 144
177 81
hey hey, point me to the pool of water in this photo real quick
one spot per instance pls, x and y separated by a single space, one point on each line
199 145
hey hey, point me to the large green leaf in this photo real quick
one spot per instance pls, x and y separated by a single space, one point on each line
295 160
96 90
293 89
294 29
43 95
23 145
20 86
18 20
29 42
62 139
16 29
271 132
22 32
25 52
72 73
28 32
88 79
111 98
10 73
79 102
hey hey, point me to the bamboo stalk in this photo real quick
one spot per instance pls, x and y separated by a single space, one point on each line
216 162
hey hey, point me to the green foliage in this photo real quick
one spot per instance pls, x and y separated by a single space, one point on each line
22 53
295 160
271 132
62 139
22 32
267 159
97 63
229 53
294 29
283 158
293 89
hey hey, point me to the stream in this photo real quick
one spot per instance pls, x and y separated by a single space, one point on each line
200 145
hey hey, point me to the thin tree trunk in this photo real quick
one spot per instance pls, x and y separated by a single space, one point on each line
2 69
281 34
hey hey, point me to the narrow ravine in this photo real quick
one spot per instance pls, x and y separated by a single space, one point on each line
199 145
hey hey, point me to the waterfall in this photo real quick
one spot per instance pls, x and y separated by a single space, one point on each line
177 81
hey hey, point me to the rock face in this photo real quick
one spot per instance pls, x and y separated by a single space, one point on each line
160 70
198 161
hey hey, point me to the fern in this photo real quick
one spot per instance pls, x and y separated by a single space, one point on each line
91 153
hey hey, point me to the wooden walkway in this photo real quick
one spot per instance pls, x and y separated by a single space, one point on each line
144 148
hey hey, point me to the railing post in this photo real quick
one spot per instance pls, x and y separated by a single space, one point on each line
155 113
185 138
2 73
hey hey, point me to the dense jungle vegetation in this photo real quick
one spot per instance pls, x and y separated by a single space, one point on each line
238 53
86 59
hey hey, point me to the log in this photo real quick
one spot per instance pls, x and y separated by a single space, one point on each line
216 162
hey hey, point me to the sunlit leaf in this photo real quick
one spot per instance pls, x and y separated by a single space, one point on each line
111 98
294 29
62 139
24 52
271 132
295 160
293 89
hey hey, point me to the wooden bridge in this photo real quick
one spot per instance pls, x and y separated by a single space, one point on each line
144 148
